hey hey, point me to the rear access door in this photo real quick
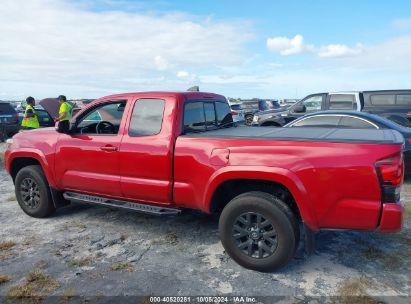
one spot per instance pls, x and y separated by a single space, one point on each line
146 151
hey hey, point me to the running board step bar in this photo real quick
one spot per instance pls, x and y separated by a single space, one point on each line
144 208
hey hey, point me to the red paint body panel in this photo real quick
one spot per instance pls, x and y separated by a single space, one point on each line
335 185
391 219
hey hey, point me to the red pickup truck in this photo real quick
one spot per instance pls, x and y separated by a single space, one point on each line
163 152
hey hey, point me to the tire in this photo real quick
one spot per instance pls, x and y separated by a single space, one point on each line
33 193
281 237
249 120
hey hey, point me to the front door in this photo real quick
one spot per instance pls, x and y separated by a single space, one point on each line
87 160
312 103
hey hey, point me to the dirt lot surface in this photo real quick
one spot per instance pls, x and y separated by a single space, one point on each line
96 251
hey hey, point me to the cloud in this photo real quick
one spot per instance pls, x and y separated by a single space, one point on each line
53 47
188 77
288 46
292 46
339 50
161 63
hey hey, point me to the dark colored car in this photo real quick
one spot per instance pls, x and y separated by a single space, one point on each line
356 120
9 119
394 105
253 106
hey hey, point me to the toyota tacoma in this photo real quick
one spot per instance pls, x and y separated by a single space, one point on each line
163 152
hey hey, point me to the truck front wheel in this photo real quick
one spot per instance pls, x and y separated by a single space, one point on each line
33 193
259 231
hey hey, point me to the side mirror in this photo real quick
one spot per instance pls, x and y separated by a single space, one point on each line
300 109
63 127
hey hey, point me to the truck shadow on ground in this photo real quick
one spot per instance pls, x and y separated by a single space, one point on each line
359 250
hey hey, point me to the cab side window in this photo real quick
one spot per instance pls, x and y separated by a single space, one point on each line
147 117
206 115
104 119
342 102
194 117
312 104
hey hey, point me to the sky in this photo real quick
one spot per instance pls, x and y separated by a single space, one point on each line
246 49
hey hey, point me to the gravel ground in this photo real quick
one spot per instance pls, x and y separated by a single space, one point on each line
96 251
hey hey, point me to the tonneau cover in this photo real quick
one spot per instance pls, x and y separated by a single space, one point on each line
381 136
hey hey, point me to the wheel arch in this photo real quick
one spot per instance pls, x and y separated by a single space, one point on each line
279 182
21 159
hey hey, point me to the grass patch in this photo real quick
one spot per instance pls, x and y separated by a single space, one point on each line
7 245
121 266
408 210
11 198
81 262
4 278
354 291
36 283
68 294
81 225
391 260
170 238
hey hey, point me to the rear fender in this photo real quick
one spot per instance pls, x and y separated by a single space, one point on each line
278 175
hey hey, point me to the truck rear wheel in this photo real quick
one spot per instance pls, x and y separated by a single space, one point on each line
259 231
33 193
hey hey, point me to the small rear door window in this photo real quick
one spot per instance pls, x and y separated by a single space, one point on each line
194 119
404 100
224 117
209 111
342 102
383 99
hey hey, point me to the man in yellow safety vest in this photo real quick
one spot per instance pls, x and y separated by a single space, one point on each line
64 113
30 119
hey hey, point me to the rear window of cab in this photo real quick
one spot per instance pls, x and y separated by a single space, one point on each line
203 115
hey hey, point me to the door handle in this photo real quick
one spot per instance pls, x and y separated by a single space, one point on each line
109 148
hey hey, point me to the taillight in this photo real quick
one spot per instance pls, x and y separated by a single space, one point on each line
409 113
409 141
234 113
390 172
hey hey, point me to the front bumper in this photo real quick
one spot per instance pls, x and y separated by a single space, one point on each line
391 218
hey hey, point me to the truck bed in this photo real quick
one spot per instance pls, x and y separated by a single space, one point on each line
306 134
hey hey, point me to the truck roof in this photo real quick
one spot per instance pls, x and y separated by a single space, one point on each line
382 136
186 94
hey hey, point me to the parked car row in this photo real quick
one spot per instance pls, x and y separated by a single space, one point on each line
394 105
356 120
12 115
251 107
